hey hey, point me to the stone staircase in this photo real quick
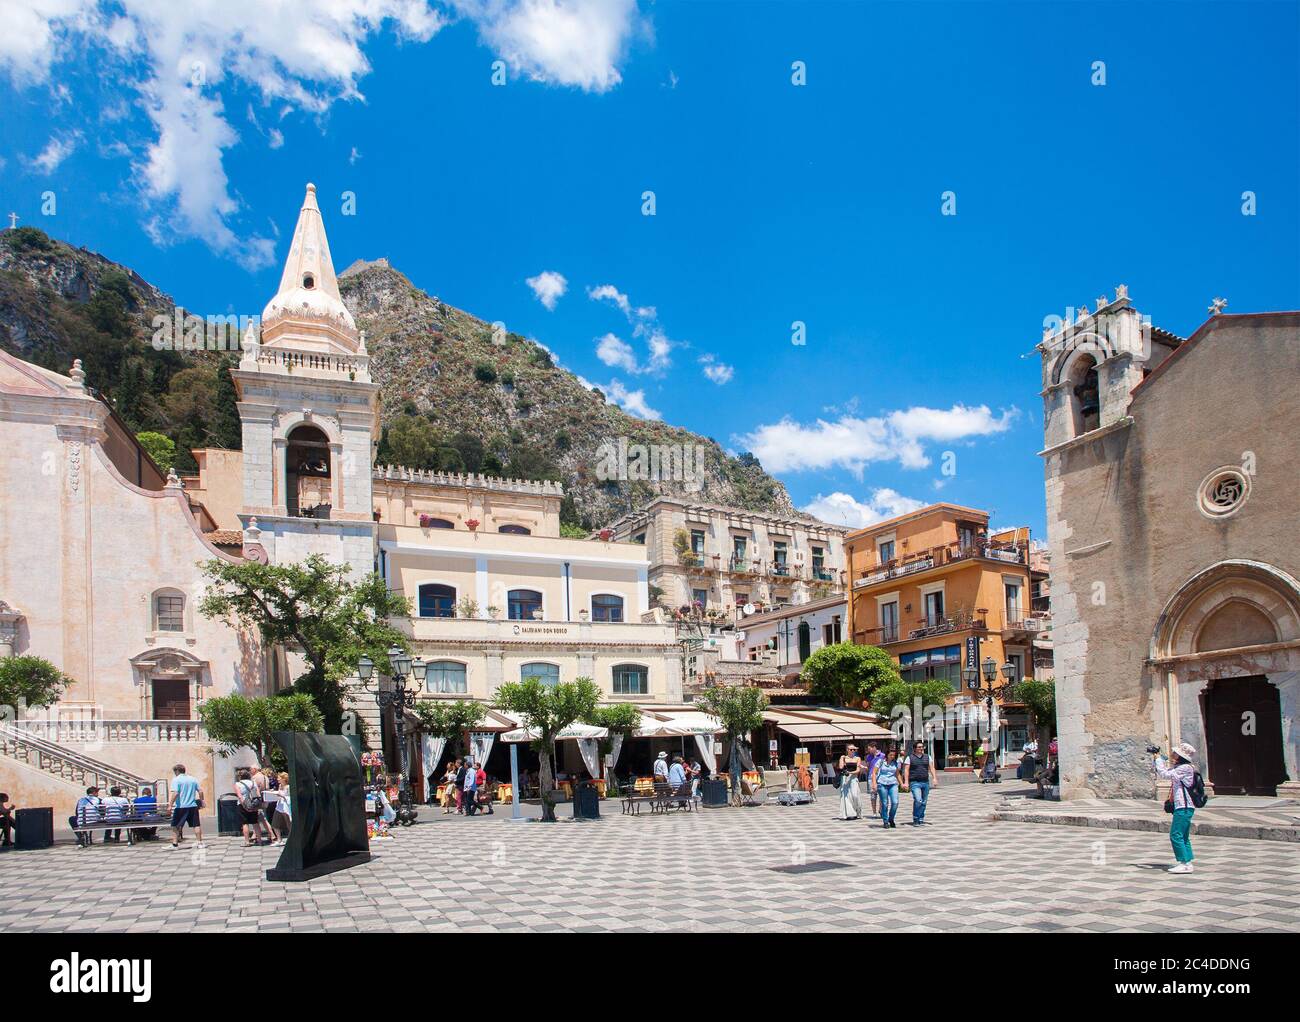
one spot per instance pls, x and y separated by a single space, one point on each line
67 765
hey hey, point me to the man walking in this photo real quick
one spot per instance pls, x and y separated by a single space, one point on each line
874 758
470 791
918 778
186 804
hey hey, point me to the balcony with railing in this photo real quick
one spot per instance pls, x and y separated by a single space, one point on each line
937 557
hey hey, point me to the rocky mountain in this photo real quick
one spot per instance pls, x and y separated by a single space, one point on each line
457 394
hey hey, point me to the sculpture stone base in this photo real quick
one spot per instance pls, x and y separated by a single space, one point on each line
319 870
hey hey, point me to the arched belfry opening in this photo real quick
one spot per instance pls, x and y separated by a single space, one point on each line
1085 392
308 473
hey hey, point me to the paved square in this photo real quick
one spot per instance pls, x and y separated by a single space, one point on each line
708 871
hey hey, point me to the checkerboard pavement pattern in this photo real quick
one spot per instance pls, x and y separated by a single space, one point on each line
707 871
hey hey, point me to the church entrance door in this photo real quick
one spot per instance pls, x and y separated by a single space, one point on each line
1243 727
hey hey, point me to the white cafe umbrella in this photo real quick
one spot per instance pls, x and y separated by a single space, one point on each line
573 731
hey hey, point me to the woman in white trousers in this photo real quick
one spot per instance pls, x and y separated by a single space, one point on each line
850 800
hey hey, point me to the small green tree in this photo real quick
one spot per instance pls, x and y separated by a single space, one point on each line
1040 698
235 721
619 719
845 673
162 449
740 709
900 699
27 681
547 710
448 721
310 604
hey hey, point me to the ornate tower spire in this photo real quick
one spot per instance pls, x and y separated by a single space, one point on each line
307 312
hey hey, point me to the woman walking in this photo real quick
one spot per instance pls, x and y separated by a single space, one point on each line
850 800
283 820
884 782
449 789
1180 774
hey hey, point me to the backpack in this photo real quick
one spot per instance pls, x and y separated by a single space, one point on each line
1196 791
249 797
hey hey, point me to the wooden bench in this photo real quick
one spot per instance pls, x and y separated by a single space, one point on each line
667 799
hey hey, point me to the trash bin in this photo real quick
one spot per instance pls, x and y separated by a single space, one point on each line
230 822
35 828
713 794
586 802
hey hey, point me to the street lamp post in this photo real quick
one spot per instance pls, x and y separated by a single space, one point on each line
400 698
987 685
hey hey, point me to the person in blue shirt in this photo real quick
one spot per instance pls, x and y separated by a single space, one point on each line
677 774
146 806
186 803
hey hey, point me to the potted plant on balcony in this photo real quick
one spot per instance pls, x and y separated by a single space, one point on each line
472 524
467 607
606 535
493 612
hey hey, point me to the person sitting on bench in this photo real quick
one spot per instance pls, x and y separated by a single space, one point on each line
89 810
7 810
146 806
116 809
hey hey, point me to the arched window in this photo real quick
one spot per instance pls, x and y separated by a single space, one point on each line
631 680
445 676
168 611
606 608
521 603
547 674
437 600
429 522
515 530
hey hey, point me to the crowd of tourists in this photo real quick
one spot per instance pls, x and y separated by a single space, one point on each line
885 774
467 789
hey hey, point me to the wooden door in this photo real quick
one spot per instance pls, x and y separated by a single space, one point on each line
171 699
1243 727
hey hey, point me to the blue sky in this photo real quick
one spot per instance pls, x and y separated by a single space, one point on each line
774 203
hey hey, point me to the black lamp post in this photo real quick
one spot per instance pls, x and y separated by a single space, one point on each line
988 684
400 698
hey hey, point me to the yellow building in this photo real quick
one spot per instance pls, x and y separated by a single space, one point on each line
924 586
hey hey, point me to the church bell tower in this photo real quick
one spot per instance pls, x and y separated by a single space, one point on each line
309 411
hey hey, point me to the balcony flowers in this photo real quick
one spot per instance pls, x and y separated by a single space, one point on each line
472 524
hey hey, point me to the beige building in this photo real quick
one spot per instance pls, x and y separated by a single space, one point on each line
496 593
718 559
99 575
1171 469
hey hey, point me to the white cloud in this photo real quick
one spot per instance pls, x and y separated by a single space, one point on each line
718 372
843 509
614 351
853 442
609 293
56 150
644 320
564 42
549 287
178 59
631 401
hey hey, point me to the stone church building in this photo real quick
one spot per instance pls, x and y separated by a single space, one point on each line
1172 468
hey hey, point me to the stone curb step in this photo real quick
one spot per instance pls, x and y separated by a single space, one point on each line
1203 829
